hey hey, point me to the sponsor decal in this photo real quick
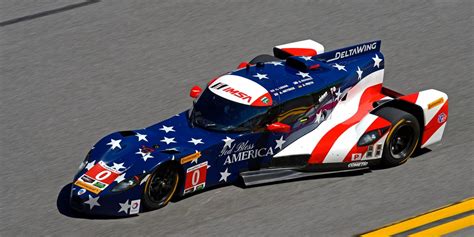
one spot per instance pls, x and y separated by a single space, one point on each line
435 103
99 185
195 178
87 179
356 156
442 118
243 151
134 207
233 91
81 191
191 157
97 178
283 89
357 164
354 51
87 186
241 90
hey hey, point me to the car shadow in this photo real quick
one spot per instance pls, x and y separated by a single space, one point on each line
64 208
420 152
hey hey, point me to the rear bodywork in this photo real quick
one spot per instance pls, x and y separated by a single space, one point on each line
349 90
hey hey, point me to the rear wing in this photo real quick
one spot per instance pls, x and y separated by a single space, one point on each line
300 48
350 51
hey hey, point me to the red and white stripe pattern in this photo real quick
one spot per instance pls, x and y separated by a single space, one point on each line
302 48
435 111
334 139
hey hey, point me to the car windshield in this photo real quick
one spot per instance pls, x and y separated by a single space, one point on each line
216 113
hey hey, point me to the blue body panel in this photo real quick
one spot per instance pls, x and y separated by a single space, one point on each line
226 154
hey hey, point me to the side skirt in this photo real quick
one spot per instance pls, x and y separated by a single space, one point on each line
263 176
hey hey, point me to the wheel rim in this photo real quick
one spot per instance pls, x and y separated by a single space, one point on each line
402 140
162 185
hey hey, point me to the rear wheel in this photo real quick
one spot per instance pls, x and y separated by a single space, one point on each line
402 138
161 187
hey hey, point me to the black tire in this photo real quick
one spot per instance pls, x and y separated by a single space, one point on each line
403 137
160 187
264 58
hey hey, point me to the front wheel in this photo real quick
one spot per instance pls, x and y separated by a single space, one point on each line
160 187
403 137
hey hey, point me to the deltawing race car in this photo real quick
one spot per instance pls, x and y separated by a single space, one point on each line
298 113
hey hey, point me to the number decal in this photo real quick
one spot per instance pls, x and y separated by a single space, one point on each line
97 178
103 175
195 178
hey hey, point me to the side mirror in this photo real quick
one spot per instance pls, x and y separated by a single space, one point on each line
279 127
242 65
195 92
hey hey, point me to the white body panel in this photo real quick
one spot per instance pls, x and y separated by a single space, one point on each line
343 111
304 44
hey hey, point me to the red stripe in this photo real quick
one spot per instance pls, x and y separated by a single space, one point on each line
410 98
434 124
378 123
300 51
369 96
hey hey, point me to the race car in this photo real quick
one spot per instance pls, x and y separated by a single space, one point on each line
299 112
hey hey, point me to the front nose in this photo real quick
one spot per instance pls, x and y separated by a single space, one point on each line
77 198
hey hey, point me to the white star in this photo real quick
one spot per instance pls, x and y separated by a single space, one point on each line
92 202
306 58
141 137
124 207
279 142
224 175
303 75
276 63
338 94
377 61
145 156
168 140
167 129
261 76
144 179
117 167
340 67
114 143
228 142
195 161
140 152
120 178
359 73
318 116
196 141
90 165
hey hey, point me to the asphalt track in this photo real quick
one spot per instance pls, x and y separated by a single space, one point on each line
70 75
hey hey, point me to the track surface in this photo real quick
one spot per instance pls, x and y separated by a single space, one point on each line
71 77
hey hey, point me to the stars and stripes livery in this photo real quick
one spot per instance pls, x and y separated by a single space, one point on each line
275 118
